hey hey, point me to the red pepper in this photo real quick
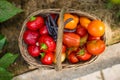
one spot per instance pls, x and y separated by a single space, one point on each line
43 30
71 39
35 23
83 55
30 37
47 58
47 43
72 58
33 50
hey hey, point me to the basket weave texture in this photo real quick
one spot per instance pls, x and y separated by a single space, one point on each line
36 63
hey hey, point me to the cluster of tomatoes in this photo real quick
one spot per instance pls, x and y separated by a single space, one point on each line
82 38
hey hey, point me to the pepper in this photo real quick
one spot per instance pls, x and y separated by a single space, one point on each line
35 23
47 58
47 43
70 21
71 39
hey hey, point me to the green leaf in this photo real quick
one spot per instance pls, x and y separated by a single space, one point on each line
118 14
7 10
109 5
2 41
5 75
7 59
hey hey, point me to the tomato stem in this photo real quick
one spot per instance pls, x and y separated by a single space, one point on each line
81 52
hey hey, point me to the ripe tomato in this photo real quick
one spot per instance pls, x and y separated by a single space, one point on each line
83 55
63 57
95 47
63 54
73 58
72 24
84 21
96 28
71 39
81 31
93 38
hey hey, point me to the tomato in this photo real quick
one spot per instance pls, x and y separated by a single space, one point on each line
72 58
83 55
93 38
72 24
96 28
81 31
63 57
95 47
84 21
71 39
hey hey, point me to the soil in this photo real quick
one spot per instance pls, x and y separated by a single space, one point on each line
12 27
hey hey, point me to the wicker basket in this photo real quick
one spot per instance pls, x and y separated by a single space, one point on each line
36 63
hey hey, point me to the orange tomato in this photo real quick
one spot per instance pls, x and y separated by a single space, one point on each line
84 21
72 24
96 28
95 47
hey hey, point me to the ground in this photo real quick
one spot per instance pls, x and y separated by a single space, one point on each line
12 27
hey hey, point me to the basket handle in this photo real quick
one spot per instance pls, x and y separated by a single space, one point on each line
59 41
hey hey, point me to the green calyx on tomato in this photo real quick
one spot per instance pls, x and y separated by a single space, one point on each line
32 18
81 52
43 46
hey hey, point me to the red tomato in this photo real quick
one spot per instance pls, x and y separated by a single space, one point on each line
83 55
71 39
73 58
81 31
93 38
95 47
